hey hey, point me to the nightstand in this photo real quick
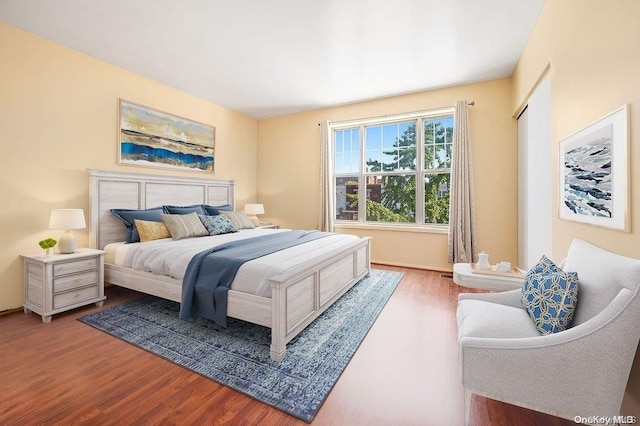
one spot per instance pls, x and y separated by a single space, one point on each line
60 282
267 226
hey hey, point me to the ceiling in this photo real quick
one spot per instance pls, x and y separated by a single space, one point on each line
266 58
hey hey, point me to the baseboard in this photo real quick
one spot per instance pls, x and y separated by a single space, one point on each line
10 311
406 265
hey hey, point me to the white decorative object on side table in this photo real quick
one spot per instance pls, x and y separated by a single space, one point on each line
483 261
61 282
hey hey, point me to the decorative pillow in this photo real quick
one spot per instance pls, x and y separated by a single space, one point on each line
128 217
195 208
150 231
239 219
550 296
215 210
217 225
184 225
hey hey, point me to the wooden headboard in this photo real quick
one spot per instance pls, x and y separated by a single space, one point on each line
117 190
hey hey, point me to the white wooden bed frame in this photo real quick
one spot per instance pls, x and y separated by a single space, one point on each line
298 296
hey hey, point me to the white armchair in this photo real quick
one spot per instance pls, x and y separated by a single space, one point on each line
582 371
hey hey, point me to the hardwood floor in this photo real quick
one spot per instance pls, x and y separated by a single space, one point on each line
405 372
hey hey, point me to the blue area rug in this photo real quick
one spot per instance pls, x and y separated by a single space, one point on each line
238 356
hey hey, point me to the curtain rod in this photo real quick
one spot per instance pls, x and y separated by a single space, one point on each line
396 116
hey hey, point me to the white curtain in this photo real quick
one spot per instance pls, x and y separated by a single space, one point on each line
326 210
462 247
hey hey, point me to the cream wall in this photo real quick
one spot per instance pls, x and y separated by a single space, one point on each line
593 51
58 114
288 170
592 48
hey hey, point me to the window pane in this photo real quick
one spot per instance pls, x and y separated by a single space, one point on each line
440 130
339 138
438 139
355 140
407 133
340 165
436 197
347 198
373 143
449 127
347 150
390 136
374 137
429 156
398 144
355 162
429 137
390 160
374 160
407 158
391 198
442 158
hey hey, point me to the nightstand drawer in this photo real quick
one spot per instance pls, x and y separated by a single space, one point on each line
72 297
75 266
74 281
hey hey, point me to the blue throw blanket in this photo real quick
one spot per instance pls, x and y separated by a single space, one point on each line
209 274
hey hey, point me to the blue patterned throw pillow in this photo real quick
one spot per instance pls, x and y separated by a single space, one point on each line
550 296
217 225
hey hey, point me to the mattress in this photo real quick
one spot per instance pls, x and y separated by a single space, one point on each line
170 257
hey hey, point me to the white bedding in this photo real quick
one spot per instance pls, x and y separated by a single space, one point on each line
170 258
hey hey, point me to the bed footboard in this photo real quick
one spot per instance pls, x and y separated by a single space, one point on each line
299 296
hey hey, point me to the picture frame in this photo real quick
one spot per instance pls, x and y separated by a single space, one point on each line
151 138
594 173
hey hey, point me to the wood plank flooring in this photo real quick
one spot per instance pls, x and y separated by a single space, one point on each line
404 373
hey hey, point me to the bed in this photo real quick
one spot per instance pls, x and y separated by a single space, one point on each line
298 295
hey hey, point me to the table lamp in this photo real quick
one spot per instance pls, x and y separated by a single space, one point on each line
67 219
253 210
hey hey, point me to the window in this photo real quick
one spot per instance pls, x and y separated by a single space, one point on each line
379 166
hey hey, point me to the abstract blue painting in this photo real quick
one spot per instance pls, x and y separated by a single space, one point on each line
594 173
154 138
587 175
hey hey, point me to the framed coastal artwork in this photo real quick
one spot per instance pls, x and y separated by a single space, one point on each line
152 138
594 173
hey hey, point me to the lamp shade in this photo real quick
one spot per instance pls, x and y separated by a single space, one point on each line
254 209
67 219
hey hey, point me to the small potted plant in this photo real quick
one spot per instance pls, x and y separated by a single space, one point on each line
47 244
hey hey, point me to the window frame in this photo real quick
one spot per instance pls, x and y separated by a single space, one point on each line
419 173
